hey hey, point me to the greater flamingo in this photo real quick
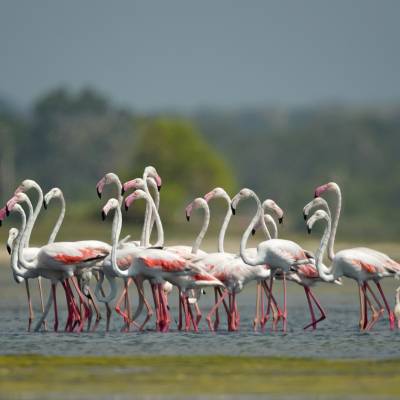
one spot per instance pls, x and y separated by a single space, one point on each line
355 264
372 264
278 254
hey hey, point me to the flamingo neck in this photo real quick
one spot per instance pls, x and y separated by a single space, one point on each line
224 226
156 198
149 216
325 273
246 234
17 248
25 239
273 229
32 221
203 231
115 234
331 252
59 222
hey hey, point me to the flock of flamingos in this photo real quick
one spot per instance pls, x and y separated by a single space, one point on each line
76 264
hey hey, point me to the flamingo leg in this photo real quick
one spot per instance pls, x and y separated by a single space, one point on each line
81 296
318 304
276 312
156 305
166 315
186 311
117 306
226 306
108 308
389 311
284 304
128 303
30 309
376 314
198 313
180 312
46 311
96 309
41 300
53 290
216 322
267 314
363 307
313 324
192 319
256 319
214 308
149 310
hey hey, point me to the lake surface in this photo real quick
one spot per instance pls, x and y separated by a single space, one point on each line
336 337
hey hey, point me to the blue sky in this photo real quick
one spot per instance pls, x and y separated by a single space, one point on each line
185 54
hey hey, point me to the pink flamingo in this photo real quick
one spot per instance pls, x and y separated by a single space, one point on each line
361 263
278 254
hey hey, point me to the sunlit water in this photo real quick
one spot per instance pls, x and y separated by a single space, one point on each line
336 337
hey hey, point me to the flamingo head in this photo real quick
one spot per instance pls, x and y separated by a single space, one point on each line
216 193
152 173
3 215
319 214
316 202
243 194
198 202
20 197
51 194
25 186
271 205
323 188
110 205
12 235
106 180
137 183
137 194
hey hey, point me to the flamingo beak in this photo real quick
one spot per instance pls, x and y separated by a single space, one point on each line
103 215
44 204
187 217
308 229
126 207
98 192
305 216
280 220
9 249
122 190
253 232
233 210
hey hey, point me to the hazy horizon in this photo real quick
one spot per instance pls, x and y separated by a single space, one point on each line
181 55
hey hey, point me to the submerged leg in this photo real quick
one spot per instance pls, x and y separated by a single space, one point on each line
30 309
389 311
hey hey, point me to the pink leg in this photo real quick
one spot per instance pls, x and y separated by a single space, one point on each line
376 314
30 309
321 310
156 306
117 307
274 304
284 304
180 312
389 311
81 296
313 324
192 319
164 307
53 289
216 322
214 308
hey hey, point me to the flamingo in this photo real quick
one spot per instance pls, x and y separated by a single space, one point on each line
278 254
355 264
152 263
268 204
370 264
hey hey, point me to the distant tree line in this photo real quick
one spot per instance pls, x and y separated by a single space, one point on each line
70 139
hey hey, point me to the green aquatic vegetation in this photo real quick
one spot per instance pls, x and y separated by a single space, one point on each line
196 375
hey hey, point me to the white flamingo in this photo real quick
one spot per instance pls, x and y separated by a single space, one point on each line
371 264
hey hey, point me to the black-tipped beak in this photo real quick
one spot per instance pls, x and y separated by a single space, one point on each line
98 193
315 195
203 291
233 210
8 249
280 220
305 216
253 232
7 211
44 204
1 222
122 191
103 215
158 187
308 229
187 217
126 207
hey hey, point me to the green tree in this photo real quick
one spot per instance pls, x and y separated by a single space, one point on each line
187 164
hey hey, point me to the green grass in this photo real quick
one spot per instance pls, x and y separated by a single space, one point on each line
196 375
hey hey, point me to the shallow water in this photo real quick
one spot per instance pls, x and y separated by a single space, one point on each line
336 337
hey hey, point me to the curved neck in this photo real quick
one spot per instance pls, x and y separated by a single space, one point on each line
19 245
115 233
25 238
331 252
15 252
59 222
273 229
38 207
246 234
156 198
224 226
206 221
325 273
143 238
151 214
